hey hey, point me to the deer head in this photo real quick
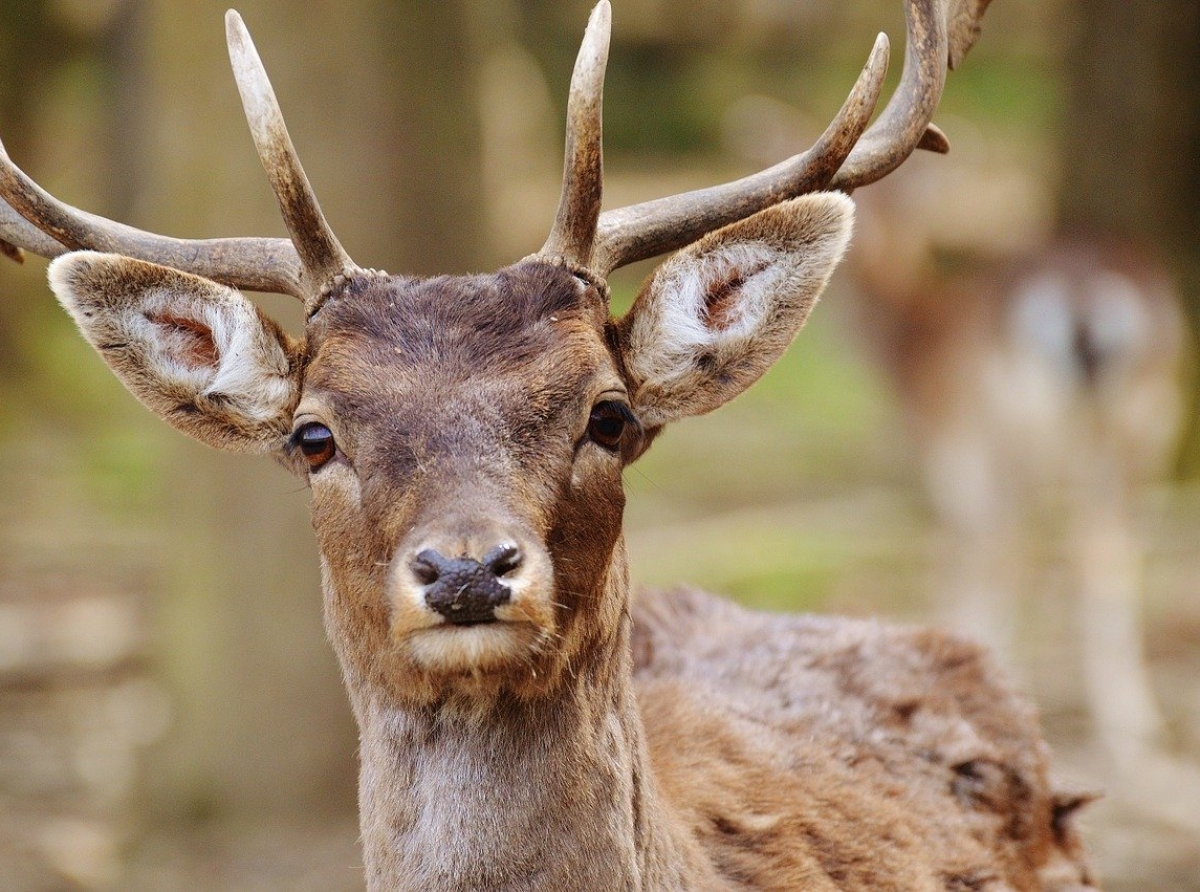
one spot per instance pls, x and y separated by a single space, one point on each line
464 437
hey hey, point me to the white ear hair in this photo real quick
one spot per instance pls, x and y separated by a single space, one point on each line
197 353
718 314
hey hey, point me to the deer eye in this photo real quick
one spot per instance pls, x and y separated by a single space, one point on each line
607 424
315 441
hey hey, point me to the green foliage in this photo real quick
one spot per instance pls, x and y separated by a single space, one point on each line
1025 98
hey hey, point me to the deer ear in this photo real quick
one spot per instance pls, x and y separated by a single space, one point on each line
198 354
718 314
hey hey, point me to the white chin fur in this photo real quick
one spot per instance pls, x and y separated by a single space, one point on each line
458 650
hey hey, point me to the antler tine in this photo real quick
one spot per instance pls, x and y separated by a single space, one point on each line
904 124
36 221
583 167
321 254
645 230
11 251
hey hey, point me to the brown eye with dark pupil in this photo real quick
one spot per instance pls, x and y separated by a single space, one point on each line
607 425
316 443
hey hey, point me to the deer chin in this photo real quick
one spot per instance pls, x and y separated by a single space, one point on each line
495 647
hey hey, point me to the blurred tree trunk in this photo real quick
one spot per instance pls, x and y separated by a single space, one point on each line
1131 134
380 101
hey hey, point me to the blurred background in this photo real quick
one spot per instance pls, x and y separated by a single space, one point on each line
991 422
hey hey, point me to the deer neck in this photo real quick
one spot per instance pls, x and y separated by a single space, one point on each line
549 793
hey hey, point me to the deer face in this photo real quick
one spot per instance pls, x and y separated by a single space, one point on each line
464 437
477 479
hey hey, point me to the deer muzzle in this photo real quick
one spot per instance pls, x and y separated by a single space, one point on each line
465 591
470 595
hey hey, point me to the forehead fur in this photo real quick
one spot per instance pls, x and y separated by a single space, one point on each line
422 320
427 335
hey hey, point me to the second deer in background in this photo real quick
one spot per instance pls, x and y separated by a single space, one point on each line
1043 393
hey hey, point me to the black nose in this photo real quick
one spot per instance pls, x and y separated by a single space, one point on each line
464 590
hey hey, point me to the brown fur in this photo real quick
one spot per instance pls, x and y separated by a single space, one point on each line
900 755
748 751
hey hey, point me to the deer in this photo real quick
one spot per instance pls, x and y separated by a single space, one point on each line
526 721
1046 385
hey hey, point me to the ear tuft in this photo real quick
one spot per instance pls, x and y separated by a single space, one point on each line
713 318
197 353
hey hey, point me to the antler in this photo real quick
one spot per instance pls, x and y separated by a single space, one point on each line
904 123
939 33
321 254
16 233
583 168
638 231
301 266
602 242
